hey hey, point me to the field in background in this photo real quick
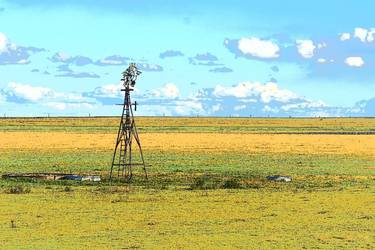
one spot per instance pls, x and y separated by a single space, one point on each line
198 124
207 184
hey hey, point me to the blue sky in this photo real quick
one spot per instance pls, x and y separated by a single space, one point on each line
216 58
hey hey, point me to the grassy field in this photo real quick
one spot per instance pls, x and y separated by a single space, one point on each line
198 124
207 186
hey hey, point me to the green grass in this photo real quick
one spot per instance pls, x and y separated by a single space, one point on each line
190 162
192 200
172 169
169 124
131 218
228 129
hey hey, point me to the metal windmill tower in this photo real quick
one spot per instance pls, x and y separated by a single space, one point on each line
122 161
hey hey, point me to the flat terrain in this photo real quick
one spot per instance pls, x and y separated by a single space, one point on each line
198 124
207 184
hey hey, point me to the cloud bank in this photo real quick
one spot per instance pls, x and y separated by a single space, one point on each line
243 100
11 53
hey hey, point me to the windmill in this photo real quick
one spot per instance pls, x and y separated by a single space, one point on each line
123 160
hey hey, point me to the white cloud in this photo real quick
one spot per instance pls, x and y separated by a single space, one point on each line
268 109
345 36
62 56
305 48
149 67
29 92
111 61
266 92
169 90
361 33
271 92
370 35
188 107
258 48
240 91
304 105
239 107
322 60
3 42
243 99
354 61
249 100
110 90
10 53
365 35
41 95
23 61
216 107
322 45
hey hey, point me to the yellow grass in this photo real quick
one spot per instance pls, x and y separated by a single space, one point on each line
218 219
214 142
197 122
276 216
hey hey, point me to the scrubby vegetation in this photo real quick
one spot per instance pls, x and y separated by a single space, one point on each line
207 185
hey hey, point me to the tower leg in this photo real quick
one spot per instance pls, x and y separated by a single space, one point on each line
140 150
123 162
130 159
127 131
114 154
